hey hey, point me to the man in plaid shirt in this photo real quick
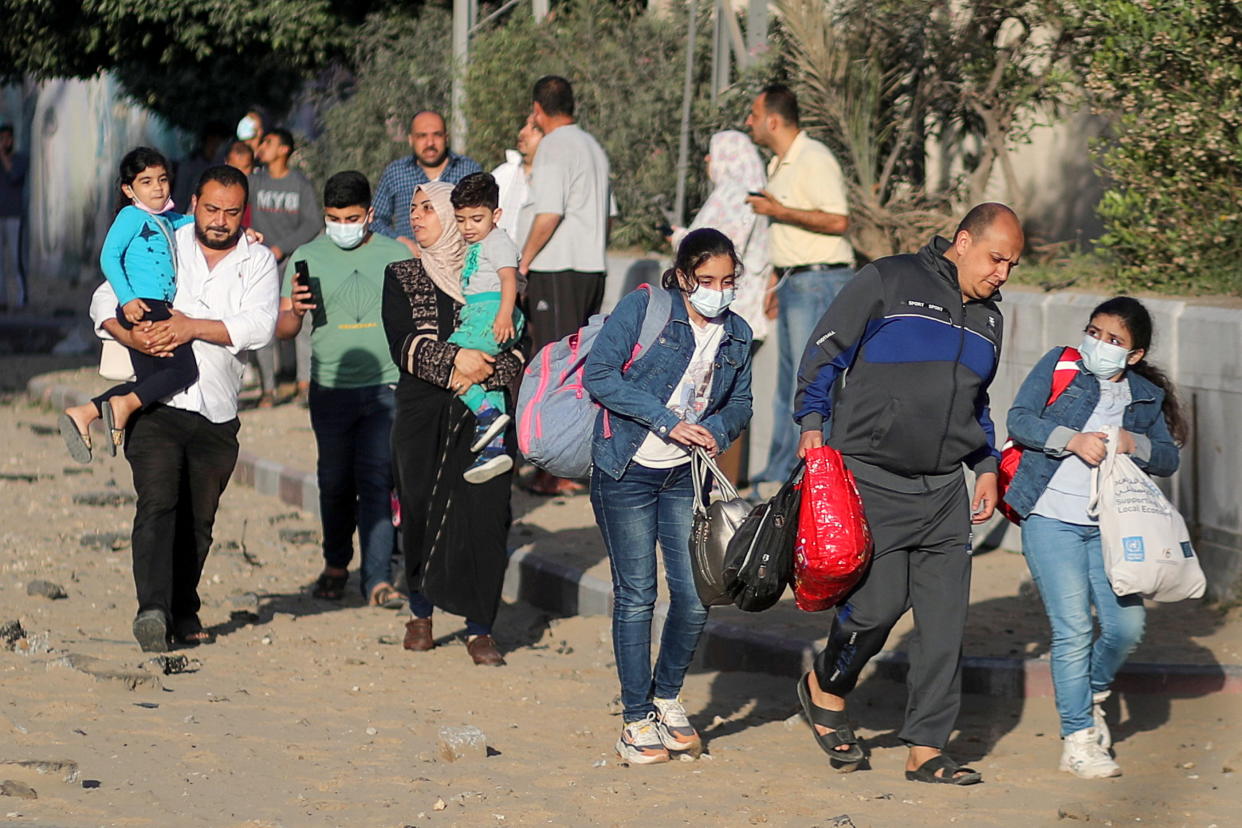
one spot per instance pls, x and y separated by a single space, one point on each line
431 161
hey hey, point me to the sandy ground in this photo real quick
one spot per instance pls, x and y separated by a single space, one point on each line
309 713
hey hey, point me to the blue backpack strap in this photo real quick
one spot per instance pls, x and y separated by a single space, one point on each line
659 311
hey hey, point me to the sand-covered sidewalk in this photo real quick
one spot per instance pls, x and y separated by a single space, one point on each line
309 713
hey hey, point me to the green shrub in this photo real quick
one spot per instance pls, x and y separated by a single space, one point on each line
1170 75
403 64
627 69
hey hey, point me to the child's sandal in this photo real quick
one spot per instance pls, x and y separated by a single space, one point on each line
116 436
78 443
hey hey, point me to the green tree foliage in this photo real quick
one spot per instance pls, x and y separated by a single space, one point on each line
402 64
188 60
892 83
627 68
1169 74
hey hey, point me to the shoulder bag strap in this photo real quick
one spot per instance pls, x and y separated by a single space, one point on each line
659 310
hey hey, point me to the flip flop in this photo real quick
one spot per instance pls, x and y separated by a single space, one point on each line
842 733
79 444
927 772
387 597
116 436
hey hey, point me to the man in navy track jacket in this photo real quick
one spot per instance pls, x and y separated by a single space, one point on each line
901 364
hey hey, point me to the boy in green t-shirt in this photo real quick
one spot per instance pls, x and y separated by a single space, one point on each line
352 380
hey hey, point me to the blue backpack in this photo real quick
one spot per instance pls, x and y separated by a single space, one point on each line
555 414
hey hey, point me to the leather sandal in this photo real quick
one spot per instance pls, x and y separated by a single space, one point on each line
483 650
418 635
386 596
116 436
189 632
841 733
951 773
330 587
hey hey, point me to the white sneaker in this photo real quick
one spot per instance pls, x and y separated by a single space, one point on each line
676 732
1097 717
1083 756
640 743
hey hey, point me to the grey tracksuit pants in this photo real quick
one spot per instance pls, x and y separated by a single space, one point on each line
922 561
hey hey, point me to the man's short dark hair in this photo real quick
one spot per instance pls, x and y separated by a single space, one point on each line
982 216
554 95
6 128
347 189
476 190
243 148
284 136
224 175
779 99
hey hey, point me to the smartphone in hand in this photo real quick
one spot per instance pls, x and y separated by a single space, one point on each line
301 276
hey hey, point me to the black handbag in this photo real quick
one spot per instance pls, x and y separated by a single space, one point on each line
714 525
759 561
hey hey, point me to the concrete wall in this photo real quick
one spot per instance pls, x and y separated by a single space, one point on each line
75 133
1198 344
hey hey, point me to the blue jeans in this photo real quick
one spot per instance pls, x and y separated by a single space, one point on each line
804 298
1068 567
352 429
646 504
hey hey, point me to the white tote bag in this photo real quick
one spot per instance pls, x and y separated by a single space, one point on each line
1146 546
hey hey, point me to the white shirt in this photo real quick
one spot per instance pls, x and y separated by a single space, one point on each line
242 291
514 189
570 179
688 400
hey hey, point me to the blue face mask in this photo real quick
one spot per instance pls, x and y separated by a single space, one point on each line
346 236
1103 359
247 129
712 303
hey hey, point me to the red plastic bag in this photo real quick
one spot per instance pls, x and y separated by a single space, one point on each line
834 544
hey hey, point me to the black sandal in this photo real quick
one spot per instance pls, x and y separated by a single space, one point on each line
330 587
116 436
927 772
842 732
189 632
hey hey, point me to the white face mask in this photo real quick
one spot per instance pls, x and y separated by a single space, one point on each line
346 236
712 303
1103 359
246 129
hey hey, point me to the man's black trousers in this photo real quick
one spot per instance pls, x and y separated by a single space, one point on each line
181 463
922 561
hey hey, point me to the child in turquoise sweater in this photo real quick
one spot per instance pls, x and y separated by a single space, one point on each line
139 260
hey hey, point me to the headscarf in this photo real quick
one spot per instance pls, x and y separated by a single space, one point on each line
736 170
443 259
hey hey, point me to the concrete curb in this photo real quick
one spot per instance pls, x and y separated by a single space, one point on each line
565 590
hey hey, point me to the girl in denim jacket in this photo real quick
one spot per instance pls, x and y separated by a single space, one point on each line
1116 386
692 389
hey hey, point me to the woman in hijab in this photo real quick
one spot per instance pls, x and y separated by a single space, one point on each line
453 532
735 169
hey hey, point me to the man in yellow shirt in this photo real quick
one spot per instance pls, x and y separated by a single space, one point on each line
807 204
